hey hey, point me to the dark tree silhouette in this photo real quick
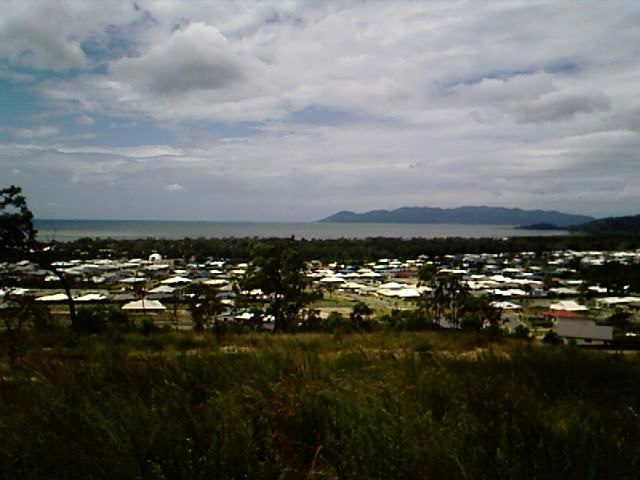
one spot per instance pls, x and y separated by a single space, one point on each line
277 269
18 239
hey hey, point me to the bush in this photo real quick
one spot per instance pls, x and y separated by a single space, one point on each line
408 321
619 320
552 338
471 321
147 327
91 320
117 317
336 323
521 332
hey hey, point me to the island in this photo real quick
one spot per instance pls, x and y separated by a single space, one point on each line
470 215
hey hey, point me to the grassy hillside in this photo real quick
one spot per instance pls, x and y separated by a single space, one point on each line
431 405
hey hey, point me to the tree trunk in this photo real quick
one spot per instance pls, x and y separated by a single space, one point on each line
42 259
70 301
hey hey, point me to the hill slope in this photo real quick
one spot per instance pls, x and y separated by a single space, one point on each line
462 215
629 224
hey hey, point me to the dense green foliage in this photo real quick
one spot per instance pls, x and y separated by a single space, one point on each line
18 238
409 406
16 223
336 249
277 270
617 278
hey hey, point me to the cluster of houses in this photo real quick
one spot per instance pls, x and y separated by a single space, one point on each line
511 280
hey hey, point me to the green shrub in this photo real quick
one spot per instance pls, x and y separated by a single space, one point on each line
521 332
118 318
552 338
91 320
148 326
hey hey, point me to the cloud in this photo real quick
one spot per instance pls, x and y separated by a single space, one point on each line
36 132
509 89
557 106
175 187
195 58
32 44
628 119
326 169
85 120
256 63
531 98
48 35
293 110
7 74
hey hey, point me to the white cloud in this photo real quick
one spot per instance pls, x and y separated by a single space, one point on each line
85 120
36 132
47 35
175 187
349 105
260 63
195 58
532 98
513 88
557 106
14 76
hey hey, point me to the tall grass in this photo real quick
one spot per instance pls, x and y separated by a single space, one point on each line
378 406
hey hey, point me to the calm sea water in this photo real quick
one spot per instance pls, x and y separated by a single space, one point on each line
65 230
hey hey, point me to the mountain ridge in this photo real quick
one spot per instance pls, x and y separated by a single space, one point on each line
472 215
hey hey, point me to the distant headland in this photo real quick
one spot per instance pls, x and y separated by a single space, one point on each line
470 215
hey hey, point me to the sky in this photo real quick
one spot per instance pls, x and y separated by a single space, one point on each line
293 110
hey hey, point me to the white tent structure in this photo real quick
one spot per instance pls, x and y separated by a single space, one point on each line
155 258
144 305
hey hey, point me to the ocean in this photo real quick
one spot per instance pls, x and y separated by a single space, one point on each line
66 230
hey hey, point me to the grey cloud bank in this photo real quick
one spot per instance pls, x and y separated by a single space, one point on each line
295 110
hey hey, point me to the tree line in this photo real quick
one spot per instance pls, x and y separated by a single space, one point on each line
330 250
